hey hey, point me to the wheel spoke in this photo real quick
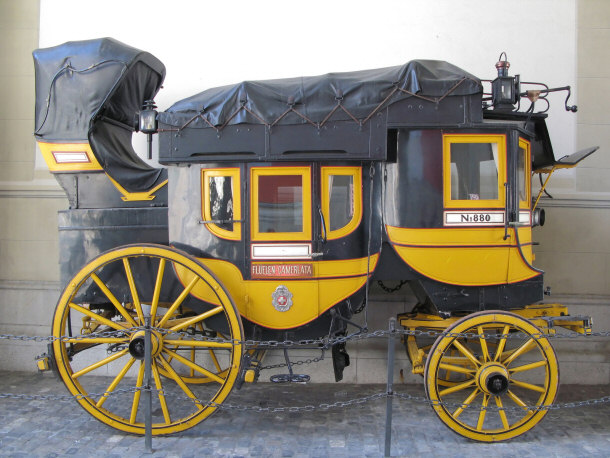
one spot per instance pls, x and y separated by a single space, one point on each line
466 403
528 386
502 412
133 289
155 299
527 367
115 382
502 342
527 346
97 317
483 412
178 302
215 360
136 394
174 375
199 343
162 401
453 368
114 300
459 387
516 399
192 371
483 343
466 352
194 366
100 363
196 319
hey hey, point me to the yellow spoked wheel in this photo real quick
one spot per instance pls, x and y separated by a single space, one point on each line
191 368
506 378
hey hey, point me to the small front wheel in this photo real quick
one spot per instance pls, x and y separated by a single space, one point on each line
508 377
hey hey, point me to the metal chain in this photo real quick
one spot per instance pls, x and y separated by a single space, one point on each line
387 289
307 408
296 363
67 397
116 333
565 405
309 342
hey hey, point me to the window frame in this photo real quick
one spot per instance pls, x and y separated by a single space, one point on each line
235 175
527 175
500 141
356 174
305 173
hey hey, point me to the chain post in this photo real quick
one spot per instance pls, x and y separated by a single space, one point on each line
390 387
147 386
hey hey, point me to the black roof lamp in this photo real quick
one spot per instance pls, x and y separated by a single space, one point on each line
504 89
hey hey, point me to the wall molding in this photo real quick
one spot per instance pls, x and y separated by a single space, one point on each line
574 203
30 285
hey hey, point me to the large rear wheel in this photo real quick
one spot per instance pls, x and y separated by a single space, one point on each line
194 368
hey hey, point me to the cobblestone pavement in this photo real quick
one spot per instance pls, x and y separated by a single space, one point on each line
52 428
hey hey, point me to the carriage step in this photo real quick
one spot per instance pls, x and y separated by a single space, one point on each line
43 363
290 378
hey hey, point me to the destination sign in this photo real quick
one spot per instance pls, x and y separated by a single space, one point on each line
281 270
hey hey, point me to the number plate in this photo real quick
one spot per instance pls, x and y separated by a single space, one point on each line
474 218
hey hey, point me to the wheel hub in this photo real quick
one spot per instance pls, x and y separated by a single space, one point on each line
137 344
492 378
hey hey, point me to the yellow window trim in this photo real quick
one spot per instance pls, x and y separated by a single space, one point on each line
527 174
305 173
500 140
57 157
234 173
356 174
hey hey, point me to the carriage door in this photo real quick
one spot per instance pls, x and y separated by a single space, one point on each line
474 169
282 246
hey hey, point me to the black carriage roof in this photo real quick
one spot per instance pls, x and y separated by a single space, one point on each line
83 87
359 93
332 116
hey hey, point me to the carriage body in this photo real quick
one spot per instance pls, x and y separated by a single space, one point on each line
288 198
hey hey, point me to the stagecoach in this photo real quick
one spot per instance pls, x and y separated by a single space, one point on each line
276 205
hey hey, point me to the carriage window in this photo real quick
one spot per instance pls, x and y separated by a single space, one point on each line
341 200
523 173
281 203
221 202
474 170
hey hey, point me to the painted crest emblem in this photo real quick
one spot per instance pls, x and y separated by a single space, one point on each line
281 299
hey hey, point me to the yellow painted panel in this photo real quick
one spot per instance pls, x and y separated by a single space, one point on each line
448 236
469 257
310 297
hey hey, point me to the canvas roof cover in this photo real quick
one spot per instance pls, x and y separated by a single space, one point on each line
359 93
